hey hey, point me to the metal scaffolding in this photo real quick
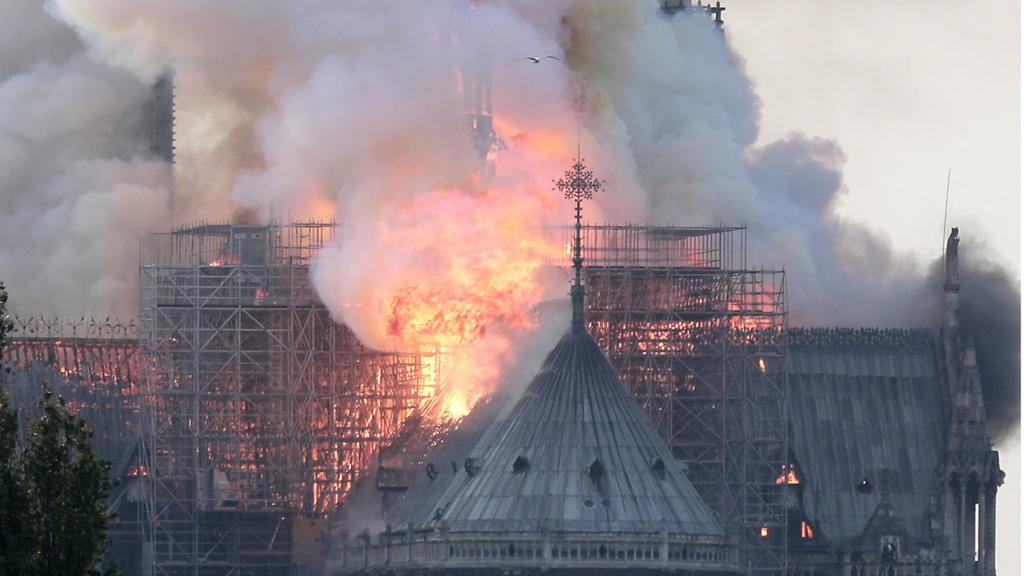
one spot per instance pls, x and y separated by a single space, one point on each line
701 341
260 411
94 366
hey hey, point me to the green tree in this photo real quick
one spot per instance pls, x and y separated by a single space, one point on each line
53 490
67 488
16 530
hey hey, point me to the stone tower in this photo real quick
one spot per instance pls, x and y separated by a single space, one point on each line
971 475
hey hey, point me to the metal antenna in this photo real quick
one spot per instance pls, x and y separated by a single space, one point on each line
578 184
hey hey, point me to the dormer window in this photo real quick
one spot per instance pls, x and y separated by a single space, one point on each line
472 466
658 466
521 465
596 472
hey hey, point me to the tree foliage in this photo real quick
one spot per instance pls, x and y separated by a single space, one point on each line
15 527
53 489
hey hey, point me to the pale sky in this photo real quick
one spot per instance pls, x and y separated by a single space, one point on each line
909 89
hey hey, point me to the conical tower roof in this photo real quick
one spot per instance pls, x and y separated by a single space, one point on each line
576 454
574 480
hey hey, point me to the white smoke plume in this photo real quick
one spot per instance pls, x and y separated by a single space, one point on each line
76 189
669 96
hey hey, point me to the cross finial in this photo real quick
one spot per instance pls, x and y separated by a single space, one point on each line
578 184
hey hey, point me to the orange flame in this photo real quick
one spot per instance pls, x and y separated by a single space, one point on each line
223 260
463 276
458 267
788 476
482 270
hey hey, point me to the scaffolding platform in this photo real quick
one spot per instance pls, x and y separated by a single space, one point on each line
261 411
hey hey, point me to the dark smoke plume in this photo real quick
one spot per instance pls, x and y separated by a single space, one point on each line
990 314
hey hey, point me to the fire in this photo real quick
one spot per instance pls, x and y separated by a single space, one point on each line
221 261
459 271
788 476
480 264
452 259
547 141
456 405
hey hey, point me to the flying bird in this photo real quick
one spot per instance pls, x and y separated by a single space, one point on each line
536 60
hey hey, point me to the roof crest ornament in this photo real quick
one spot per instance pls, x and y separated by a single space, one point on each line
578 184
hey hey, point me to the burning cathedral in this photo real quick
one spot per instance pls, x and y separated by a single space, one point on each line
680 424
574 479
882 462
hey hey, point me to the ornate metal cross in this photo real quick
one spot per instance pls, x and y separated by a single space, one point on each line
578 184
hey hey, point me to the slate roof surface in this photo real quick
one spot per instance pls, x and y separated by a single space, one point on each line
421 501
575 412
866 410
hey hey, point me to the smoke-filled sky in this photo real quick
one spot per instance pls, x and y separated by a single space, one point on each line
909 89
826 127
